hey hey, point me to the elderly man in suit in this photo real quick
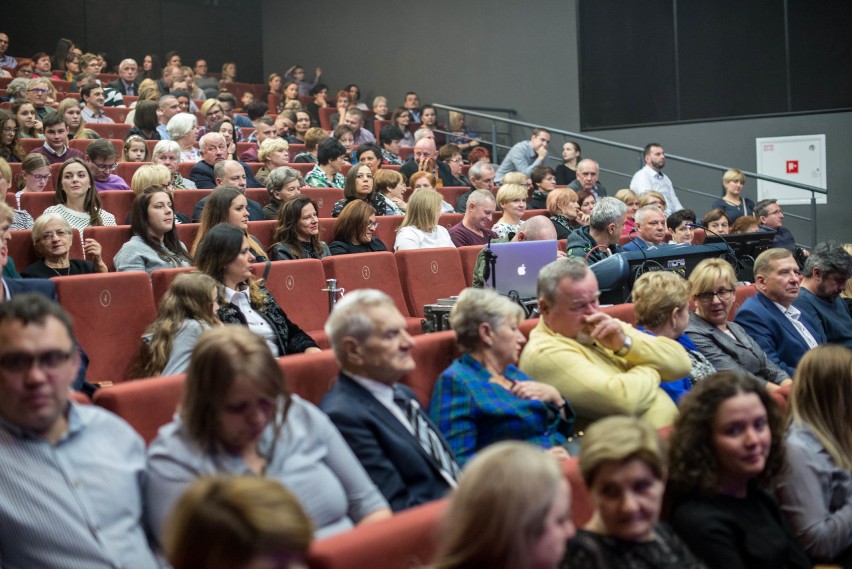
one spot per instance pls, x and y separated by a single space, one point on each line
783 331
398 445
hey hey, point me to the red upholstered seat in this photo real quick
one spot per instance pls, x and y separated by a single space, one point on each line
22 249
146 404
310 376
623 312
82 143
468 255
127 169
161 280
110 312
112 238
119 203
429 274
186 200
451 193
742 294
324 198
433 353
263 231
186 233
386 231
35 203
111 130
450 219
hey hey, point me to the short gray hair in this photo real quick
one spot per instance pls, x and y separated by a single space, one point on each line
829 257
280 176
349 318
479 197
420 133
476 169
219 168
606 211
43 220
17 88
538 228
207 138
165 146
552 274
643 212
180 124
476 306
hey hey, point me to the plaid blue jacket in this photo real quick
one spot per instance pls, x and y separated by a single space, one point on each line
473 413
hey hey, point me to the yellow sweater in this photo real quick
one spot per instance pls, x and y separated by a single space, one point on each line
598 383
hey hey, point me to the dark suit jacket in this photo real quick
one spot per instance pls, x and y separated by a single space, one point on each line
40 286
202 175
410 167
775 333
577 186
390 454
118 85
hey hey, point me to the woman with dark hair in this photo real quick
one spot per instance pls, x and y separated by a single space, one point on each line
567 171
401 119
353 232
145 121
320 94
151 68
187 310
359 187
301 126
225 127
29 125
155 244
10 138
716 221
297 233
587 201
725 450
237 418
76 197
228 204
543 180
225 255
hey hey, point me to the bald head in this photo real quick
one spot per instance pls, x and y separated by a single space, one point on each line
230 173
536 228
425 148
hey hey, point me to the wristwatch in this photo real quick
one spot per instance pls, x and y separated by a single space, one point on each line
628 343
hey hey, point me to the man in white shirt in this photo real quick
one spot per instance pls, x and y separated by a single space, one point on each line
651 177
783 331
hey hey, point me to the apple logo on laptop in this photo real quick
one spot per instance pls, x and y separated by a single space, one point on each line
522 270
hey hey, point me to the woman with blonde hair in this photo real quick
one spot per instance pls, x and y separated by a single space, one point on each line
652 198
623 463
420 228
150 175
274 153
732 201
512 199
815 490
229 74
563 207
237 418
390 184
237 521
167 153
631 200
69 110
496 521
188 308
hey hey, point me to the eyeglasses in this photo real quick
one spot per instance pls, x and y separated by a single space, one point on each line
10 130
724 294
39 177
19 362
106 167
776 212
372 224
38 91
456 160
48 236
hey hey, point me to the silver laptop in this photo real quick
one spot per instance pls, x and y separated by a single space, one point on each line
518 264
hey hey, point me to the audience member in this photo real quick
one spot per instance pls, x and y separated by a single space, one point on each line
354 231
450 155
225 127
380 108
127 82
779 328
313 137
38 93
274 153
661 304
400 448
297 74
525 155
206 82
282 184
183 128
631 200
727 445
599 239
389 138
598 363
473 228
543 180
815 490
186 311
587 201
717 222
463 137
320 94
681 224
563 208
401 119
34 176
297 232
52 238
827 271
76 197
287 439
536 228
354 118
331 156
227 204
650 229
55 147
92 96
69 110
481 176
359 186
768 213
624 466
425 159
20 218
213 151
168 107
732 201
412 105
567 171
135 149
10 139
225 254
651 177
48 442
483 398
302 124
420 228
745 224
154 244
102 158
726 344
588 176
167 153
6 60
371 155
390 184
254 110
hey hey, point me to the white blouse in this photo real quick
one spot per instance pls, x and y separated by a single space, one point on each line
77 219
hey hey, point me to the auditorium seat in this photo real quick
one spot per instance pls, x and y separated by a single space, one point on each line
186 233
450 219
118 114
324 198
623 312
11 200
30 144
468 255
35 203
263 231
295 148
22 249
370 270
82 144
119 203
254 166
386 230
325 117
146 404
111 237
326 228
243 146
433 353
297 286
110 312
185 168
310 376
111 130
741 295
161 280
451 193
260 195
303 167
186 200
427 275
698 236
127 169
527 325
581 503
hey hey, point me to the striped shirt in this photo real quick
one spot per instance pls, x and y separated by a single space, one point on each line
76 504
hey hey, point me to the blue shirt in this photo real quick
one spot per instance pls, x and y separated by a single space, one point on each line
701 368
521 158
76 504
473 412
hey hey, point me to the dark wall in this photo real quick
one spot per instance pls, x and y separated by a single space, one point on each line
229 31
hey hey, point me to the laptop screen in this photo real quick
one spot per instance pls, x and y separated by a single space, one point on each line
518 264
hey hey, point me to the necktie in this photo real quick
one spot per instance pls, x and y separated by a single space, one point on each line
129 90
429 440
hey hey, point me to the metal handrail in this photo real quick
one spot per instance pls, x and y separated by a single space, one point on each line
494 119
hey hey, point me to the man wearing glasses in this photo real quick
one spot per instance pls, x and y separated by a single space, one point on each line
602 365
56 514
55 147
770 216
37 93
103 159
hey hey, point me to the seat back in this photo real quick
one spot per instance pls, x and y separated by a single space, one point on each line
468 255
30 144
23 251
297 287
324 198
185 201
623 312
451 193
386 231
433 353
147 404
110 311
429 274
119 203
326 227
127 169
367 270
186 233
263 231
260 195
112 238
111 130
35 203
161 280
185 168
742 294
310 376
82 144
581 503
450 219
325 117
